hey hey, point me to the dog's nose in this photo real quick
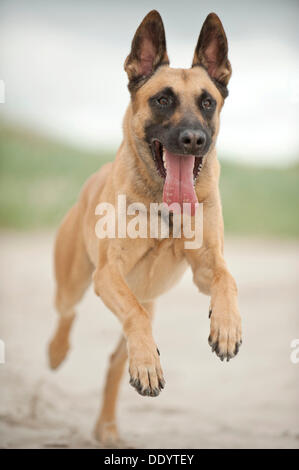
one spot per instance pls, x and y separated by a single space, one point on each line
192 141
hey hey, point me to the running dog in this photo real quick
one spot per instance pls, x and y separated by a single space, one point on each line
167 155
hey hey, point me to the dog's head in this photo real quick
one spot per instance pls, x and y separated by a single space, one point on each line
175 112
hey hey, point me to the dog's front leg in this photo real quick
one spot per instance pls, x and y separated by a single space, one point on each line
146 374
213 278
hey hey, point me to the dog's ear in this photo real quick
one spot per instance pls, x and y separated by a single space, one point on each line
211 50
148 49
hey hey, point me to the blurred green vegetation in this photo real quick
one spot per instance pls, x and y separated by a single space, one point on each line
40 179
260 201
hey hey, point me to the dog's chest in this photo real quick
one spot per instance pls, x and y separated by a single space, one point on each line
157 271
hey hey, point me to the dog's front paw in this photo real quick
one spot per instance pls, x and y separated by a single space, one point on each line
226 334
145 370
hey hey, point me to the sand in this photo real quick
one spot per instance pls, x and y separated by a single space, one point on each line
250 402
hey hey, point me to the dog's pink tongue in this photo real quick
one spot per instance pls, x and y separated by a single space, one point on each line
178 186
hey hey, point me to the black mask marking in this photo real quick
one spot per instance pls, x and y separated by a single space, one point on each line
163 104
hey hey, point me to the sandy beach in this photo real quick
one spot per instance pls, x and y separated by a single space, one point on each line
250 402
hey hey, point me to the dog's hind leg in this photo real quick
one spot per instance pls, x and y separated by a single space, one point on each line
106 428
73 275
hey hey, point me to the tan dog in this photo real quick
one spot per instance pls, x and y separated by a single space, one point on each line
167 154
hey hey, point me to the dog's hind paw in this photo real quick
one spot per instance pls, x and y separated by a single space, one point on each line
106 434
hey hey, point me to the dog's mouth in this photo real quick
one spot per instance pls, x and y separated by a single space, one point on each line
180 173
159 155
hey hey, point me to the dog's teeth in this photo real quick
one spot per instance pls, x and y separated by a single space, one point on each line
164 160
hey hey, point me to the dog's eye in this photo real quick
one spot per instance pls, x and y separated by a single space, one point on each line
207 103
163 101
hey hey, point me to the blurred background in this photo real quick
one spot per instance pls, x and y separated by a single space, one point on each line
63 94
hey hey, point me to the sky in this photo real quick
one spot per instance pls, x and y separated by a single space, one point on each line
62 65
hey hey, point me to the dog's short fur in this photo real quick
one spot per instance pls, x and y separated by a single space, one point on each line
175 109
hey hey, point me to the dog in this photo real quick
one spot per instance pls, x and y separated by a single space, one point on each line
167 155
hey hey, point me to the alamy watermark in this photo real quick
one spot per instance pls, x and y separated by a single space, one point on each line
160 221
2 91
294 357
2 352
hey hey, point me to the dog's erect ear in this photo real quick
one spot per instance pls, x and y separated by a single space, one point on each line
211 50
148 50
